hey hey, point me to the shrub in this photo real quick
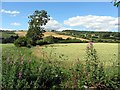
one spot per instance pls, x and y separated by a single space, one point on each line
68 40
78 75
49 39
57 39
24 41
21 41
30 42
10 39
95 72
51 75
41 42
29 45
22 73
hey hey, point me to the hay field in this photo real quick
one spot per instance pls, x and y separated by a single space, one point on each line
23 33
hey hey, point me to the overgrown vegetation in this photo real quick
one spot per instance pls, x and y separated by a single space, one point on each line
22 73
35 29
23 70
7 36
107 37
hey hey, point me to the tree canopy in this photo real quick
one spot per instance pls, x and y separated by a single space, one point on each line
38 19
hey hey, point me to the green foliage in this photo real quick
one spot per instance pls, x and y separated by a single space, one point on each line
22 72
24 42
116 3
30 42
51 75
69 40
8 36
110 37
38 19
29 45
49 39
78 75
92 73
21 41
95 72
41 42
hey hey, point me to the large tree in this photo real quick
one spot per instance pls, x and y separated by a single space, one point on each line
38 19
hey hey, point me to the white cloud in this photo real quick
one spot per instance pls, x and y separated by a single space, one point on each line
54 25
15 24
92 22
13 13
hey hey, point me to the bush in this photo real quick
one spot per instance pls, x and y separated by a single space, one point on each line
49 39
10 39
95 74
51 75
20 74
72 41
41 42
21 41
24 41
57 39
29 45
30 42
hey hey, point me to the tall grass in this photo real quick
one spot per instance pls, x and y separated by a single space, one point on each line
22 69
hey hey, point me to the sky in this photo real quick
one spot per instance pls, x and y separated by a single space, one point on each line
84 16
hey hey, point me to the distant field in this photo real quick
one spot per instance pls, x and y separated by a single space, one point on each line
107 52
23 33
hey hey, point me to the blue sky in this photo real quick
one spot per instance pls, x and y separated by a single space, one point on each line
95 16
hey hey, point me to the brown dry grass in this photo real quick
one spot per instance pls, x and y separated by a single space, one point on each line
23 33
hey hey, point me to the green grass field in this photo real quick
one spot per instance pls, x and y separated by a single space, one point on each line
106 52
67 54
10 51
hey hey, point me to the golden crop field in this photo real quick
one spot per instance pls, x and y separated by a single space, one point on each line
23 33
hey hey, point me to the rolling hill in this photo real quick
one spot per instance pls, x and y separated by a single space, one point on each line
23 33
